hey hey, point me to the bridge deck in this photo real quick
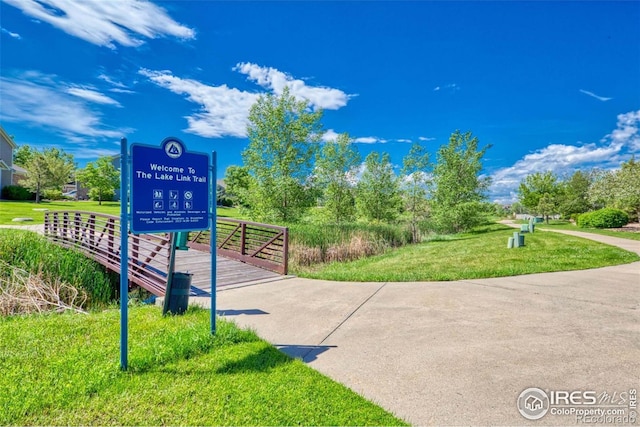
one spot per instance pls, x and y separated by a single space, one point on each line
229 272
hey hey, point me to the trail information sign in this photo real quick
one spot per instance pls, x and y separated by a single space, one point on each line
170 188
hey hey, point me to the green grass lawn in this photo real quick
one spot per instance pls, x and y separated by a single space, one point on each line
480 254
12 209
64 370
566 225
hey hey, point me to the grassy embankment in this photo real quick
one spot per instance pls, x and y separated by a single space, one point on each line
64 370
478 254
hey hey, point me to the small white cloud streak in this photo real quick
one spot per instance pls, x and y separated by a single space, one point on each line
11 34
62 113
560 158
272 79
593 95
105 23
425 138
92 96
225 110
366 140
329 135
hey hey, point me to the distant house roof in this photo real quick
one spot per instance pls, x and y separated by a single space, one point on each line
6 137
19 170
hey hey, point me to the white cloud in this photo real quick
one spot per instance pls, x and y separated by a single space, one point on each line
408 141
105 23
10 34
92 95
330 135
560 158
270 78
224 110
425 138
62 113
366 140
593 95
452 87
627 132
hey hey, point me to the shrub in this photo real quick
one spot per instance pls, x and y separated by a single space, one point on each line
52 195
105 196
16 192
33 253
603 218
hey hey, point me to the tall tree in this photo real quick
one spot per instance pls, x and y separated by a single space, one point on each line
573 197
416 169
23 155
378 191
459 189
101 177
50 168
238 181
536 186
335 168
283 132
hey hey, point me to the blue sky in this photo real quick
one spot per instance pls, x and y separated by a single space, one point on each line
551 85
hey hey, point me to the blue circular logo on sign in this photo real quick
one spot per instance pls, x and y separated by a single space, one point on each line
173 147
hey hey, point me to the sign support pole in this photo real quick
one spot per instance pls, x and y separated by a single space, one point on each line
170 270
124 255
213 237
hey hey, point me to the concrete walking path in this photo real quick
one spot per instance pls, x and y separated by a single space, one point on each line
451 353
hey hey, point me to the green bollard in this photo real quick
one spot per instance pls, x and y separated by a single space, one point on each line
518 240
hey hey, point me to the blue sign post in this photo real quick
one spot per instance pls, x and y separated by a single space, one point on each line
171 189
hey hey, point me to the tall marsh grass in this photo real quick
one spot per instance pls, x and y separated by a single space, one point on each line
312 244
31 252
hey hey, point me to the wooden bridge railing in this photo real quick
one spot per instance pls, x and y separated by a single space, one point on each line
262 245
98 236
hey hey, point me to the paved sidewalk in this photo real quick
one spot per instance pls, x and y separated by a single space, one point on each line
451 353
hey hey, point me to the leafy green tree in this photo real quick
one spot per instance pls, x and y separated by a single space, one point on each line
416 171
619 188
282 141
458 188
334 171
546 206
23 155
378 191
101 177
48 169
573 195
238 180
534 186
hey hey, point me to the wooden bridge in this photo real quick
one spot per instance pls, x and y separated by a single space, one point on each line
247 251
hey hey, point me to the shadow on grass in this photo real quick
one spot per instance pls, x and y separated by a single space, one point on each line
262 360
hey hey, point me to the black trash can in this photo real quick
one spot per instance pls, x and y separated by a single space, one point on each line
180 289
